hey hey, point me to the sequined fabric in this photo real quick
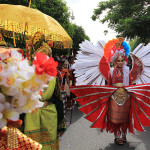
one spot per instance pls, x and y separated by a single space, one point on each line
117 76
120 96
24 142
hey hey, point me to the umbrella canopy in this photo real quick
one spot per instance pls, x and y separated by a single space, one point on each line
25 20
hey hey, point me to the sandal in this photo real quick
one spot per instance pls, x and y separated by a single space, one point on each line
124 140
118 141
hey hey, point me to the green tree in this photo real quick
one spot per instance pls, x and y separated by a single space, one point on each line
129 18
55 8
15 2
134 43
78 37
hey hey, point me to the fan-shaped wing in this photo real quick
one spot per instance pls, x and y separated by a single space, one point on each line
141 64
140 105
94 102
87 68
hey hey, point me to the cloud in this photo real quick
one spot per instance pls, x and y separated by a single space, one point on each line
83 10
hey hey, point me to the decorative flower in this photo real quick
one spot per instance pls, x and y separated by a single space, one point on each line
21 84
4 56
30 44
45 64
114 45
6 112
50 44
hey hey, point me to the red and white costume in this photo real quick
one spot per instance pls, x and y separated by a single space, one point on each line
120 105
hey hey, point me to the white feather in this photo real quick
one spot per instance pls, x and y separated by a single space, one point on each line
98 81
143 53
146 60
145 57
145 79
146 70
138 48
88 76
87 64
138 81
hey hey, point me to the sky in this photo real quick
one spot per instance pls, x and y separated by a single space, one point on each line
83 10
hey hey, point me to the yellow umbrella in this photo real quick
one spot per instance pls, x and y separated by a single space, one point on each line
25 20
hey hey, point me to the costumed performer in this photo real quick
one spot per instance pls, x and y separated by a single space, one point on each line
120 105
44 124
66 82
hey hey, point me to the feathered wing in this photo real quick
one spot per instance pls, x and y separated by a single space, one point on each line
140 105
140 72
87 71
94 102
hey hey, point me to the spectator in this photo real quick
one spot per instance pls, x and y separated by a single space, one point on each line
65 82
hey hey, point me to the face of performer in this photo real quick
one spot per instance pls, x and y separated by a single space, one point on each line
120 62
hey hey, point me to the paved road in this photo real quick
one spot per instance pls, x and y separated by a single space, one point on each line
79 136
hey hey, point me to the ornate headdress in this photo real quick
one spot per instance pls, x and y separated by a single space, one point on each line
2 41
44 48
116 48
38 44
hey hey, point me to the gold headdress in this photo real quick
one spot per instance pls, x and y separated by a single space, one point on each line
44 48
2 41
38 44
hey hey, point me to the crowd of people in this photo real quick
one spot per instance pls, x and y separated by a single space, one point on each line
66 79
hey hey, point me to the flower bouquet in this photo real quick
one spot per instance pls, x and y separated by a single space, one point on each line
21 84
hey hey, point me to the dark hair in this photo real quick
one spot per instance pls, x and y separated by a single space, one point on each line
55 58
70 57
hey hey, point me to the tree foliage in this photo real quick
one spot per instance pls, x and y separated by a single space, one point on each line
79 36
129 18
56 9
15 2
134 43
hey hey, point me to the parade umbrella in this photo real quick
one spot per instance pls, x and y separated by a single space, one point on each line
27 21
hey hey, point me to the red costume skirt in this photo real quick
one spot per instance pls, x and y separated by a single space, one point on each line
118 117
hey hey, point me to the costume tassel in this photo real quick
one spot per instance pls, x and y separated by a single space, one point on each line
14 36
29 4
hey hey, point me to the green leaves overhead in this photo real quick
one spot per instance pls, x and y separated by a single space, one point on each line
79 36
129 18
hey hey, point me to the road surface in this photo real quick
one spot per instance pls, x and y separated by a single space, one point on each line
79 136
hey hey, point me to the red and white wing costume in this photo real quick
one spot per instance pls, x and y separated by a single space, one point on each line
91 71
87 64
95 102
141 64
